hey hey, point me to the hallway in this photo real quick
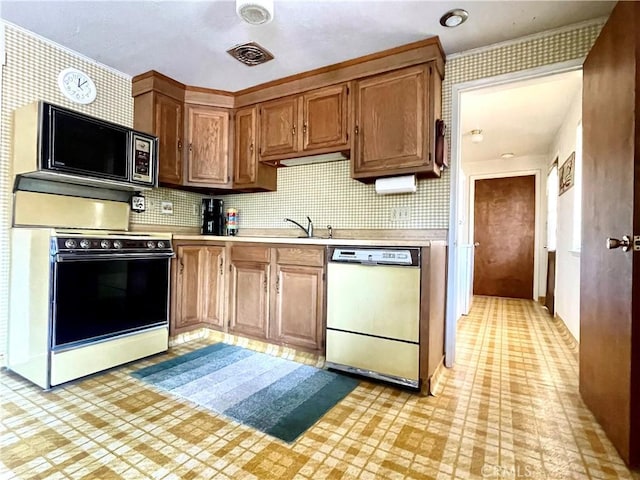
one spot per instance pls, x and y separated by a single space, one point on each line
515 394
509 409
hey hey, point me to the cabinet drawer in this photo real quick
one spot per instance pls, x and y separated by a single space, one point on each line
312 257
250 254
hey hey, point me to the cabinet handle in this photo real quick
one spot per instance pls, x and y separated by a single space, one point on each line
251 148
221 263
191 149
304 128
179 144
181 267
293 131
278 284
356 132
265 285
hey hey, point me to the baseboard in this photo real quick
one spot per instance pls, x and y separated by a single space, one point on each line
435 382
566 334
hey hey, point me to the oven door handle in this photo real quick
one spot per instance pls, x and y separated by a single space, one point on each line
61 257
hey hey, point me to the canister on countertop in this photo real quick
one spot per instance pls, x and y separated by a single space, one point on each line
232 221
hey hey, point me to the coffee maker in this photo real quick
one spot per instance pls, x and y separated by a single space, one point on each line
212 216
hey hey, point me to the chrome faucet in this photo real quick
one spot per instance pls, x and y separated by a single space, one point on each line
308 231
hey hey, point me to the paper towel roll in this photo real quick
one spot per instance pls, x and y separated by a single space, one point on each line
404 184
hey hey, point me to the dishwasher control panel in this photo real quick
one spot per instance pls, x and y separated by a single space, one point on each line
377 256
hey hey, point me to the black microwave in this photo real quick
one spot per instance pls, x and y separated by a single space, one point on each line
60 144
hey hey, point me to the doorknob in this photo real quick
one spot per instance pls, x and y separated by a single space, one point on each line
477 244
625 243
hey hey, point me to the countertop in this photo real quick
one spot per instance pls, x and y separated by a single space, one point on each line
378 242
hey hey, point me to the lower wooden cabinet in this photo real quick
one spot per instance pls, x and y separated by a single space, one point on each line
299 306
277 295
249 291
198 287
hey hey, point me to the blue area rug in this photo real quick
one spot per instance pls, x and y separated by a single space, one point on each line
277 396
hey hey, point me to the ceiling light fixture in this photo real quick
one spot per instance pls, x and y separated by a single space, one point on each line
507 155
476 136
255 12
454 17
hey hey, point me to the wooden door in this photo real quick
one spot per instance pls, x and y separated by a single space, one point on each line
208 150
279 133
169 124
299 305
249 298
504 229
212 281
391 122
325 117
188 285
610 279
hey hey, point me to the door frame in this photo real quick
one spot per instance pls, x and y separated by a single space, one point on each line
537 238
453 264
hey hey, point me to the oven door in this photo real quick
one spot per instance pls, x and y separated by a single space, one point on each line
97 297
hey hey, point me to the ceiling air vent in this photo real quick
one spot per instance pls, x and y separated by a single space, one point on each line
250 54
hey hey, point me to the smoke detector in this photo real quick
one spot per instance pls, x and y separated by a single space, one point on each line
255 12
250 54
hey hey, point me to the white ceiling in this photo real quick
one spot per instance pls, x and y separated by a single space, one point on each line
521 117
187 40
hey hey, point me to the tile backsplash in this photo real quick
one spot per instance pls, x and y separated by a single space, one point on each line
325 192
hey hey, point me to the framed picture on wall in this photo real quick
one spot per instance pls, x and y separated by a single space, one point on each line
565 174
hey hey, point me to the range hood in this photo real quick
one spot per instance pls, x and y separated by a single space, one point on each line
323 158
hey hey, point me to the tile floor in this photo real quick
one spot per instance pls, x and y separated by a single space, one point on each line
509 409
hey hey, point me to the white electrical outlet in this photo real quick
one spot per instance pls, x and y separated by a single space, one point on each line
166 207
400 214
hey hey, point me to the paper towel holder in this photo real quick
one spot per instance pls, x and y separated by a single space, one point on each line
396 185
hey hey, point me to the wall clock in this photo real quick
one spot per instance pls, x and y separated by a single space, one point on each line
77 86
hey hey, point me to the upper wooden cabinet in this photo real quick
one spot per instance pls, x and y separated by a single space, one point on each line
311 123
279 133
394 128
208 146
162 116
248 172
380 110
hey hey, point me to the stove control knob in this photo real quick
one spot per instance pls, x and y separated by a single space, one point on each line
117 244
70 243
160 244
84 243
151 244
105 244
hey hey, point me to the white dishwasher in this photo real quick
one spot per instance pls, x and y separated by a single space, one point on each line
373 313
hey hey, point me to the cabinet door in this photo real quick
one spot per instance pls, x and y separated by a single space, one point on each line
187 295
279 127
391 123
168 128
208 152
248 173
325 118
299 306
246 158
249 298
212 281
